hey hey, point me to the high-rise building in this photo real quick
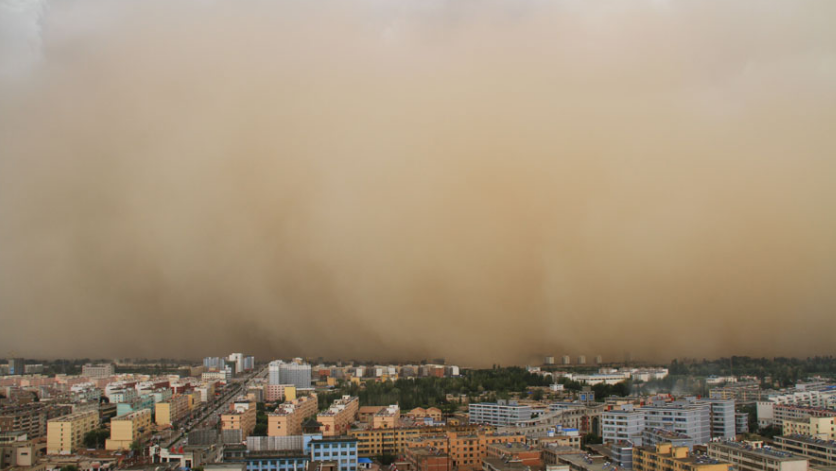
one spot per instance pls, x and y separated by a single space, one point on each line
549 360
249 363
237 359
599 359
567 360
213 363
288 418
581 359
296 373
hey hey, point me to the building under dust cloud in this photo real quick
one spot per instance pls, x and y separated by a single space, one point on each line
484 181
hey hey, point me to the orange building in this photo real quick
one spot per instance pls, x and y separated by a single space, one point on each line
288 418
466 451
338 418
517 452
366 413
427 459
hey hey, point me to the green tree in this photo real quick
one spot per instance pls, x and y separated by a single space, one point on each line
96 438
69 467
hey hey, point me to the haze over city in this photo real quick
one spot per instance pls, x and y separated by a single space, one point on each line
488 182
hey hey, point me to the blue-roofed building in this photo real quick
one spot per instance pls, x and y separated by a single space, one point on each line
342 451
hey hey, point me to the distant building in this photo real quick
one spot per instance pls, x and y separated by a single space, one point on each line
581 359
296 373
17 366
549 360
97 371
599 359
566 360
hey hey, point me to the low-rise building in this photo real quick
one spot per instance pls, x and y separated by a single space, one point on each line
500 413
666 457
745 457
823 428
241 416
386 417
817 451
342 451
171 411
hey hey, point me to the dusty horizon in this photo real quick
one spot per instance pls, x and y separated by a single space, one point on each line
489 182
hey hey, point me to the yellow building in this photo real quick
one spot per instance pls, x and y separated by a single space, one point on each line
338 418
387 417
466 450
822 428
241 416
383 441
666 457
288 418
127 428
174 409
65 434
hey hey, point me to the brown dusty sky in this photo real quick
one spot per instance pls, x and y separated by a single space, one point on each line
488 181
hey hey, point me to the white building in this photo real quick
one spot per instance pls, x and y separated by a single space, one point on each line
97 371
625 424
499 413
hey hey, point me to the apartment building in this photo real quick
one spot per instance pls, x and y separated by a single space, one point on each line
241 416
817 451
823 428
338 418
427 459
65 434
125 429
31 418
499 413
297 373
740 392
374 442
688 417
772 413
342 451
171 411
279 392
666 457
386 417
722 418
466 450
745 457
625 424
288 417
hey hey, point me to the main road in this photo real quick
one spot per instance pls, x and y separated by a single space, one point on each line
210 414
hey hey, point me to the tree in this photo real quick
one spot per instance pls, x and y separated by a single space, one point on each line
592 439
537 395
136 447
96 438
69 467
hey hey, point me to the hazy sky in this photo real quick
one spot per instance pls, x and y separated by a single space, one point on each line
488 181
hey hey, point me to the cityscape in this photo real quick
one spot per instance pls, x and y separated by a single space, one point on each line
417 235
238 412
